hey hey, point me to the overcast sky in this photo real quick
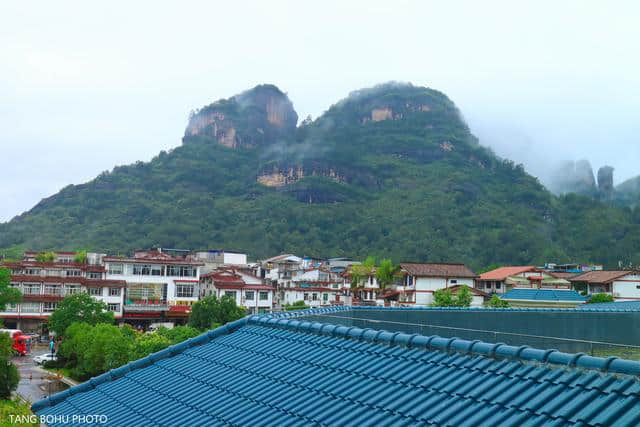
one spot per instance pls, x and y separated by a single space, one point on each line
85 86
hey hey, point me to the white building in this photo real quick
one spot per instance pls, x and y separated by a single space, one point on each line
422 280
246 289
622 285
215 258
159 287
44 284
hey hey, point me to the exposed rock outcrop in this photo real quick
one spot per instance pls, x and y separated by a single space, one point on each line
260 116
605 182
280 178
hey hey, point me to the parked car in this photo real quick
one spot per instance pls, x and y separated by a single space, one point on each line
49 357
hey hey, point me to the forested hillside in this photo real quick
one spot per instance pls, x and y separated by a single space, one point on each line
391 171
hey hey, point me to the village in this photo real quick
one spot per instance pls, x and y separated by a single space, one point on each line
159 286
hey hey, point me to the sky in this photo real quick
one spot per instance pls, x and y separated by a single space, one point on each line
86 86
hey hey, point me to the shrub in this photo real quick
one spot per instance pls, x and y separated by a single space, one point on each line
9 378
599 298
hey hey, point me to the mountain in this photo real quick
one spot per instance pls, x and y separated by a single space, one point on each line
391 171
628 192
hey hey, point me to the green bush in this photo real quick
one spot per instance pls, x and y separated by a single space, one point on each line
599 298
9 378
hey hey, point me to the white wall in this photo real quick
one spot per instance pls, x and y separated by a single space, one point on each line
623 288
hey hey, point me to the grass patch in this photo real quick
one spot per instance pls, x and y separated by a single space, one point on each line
629 353
65 372
14 407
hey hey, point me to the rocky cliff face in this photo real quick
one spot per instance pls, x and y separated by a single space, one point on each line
280 178
260 116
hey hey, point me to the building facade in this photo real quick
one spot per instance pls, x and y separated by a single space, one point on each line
159 287
44 284
247 290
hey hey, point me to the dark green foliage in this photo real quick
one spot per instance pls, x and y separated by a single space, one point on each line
78 308
446 298
90 350
298 305
599 298
7 293
496 302
211 312
9 376
418 187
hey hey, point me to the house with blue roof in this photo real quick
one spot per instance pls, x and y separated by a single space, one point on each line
286 370
532 297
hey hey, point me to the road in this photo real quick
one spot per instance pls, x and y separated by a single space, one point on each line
33 384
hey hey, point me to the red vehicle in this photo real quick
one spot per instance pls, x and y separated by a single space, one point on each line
21 343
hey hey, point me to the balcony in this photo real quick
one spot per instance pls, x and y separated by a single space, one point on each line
145 306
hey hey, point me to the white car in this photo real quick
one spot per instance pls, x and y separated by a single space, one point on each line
49 357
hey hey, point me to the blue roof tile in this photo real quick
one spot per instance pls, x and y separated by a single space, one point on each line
543 295
269 371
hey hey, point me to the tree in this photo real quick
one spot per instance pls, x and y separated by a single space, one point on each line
78 308
385 273
178 334
360 272
445 298
9 376
80 257
7 293
210 312
497 302
599 298
463 297
46 256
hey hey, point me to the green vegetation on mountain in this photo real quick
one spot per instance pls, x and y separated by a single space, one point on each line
392 171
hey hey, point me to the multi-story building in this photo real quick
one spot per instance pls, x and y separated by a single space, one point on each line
159 287
44 284
420 281
247 290
315 286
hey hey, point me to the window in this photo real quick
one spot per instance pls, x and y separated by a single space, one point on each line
31 289
49 306
73 273
116 269
71 289
32 272
114 292
498 285
187 271
94 275
231 294
53 290
173 270
325 297
453 282
334 286
306 296
11 308
314 297
156 270
114 307
184 290
30 307
263 295
637 286
249 295
96 292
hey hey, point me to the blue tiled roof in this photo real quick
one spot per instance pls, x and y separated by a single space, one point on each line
543 295
622 305
265 370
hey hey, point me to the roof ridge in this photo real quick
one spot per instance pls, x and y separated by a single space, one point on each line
522 353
